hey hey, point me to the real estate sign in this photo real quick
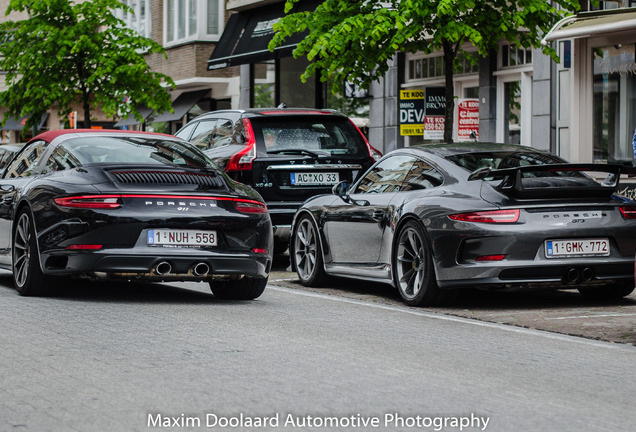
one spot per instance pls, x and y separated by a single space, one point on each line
411 112
434 108
467 119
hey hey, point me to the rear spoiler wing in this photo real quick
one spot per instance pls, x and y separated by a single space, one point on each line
512 179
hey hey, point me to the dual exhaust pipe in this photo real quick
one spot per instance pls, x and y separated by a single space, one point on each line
575 276
164 268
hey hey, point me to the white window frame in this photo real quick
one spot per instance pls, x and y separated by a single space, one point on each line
201 31
132 20
525 76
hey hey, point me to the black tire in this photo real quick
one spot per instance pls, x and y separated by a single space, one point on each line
246 288
27 274
413 271
615 291
280 246
307 253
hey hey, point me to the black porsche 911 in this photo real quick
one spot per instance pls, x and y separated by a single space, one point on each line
431 218
132 205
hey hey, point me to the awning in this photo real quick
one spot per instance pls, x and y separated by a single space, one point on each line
14 124
247 35
592 24
130 120
182 105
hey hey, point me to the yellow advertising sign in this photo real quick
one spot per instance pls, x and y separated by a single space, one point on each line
412 129
411 94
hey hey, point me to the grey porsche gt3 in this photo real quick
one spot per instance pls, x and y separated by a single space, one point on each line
429 219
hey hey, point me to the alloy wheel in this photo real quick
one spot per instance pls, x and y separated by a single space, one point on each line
305 250
411 262
22 250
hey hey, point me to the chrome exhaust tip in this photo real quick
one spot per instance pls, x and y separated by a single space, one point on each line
200 269
163 268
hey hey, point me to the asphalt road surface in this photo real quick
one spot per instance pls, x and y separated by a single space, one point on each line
132 357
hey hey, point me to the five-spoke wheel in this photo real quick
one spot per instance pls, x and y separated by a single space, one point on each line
413 271
27 275
307 253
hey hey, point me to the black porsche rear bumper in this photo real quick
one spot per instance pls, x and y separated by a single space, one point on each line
143 264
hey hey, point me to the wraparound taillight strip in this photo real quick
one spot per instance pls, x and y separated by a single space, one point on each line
113 201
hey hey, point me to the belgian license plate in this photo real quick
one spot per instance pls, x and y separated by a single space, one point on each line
317 178
570 248
181 237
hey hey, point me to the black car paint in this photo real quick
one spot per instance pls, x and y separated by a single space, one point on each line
270 174
122 230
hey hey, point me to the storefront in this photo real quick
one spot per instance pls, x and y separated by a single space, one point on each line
596 86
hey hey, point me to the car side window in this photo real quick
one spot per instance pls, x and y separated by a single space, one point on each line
184 133
61 159
387 176
222 133
27 159
203 133
422 176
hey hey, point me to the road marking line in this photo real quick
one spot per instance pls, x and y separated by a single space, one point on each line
592 316
439 316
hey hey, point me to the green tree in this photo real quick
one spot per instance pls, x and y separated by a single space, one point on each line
67 53
353 40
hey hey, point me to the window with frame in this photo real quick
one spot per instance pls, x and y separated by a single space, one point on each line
433 67
139 18
604 5
512 55
25 162
186 20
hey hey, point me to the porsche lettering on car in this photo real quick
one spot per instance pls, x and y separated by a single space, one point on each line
102 204
433 218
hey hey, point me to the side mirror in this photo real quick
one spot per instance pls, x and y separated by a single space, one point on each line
341 189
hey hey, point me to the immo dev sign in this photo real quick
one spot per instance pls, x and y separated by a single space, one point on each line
412 112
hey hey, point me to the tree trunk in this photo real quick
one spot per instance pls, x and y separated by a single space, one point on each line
87 109
449 114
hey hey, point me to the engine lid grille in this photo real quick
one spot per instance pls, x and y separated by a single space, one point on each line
167 177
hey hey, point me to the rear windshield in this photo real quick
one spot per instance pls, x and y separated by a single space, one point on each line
125 150
500 160
316 134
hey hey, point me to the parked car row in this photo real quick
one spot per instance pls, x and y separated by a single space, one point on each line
214 204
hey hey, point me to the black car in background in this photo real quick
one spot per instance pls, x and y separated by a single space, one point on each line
428 219
125 205
286 154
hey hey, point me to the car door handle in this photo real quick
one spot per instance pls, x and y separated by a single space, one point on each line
378 215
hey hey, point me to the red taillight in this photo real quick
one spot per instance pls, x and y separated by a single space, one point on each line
260 251
490 258
373 152
629 212
249 206
242 160
84 247
496 216
90 201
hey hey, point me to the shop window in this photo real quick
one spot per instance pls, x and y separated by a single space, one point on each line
264 84
188 20
294 92
512 112
614 103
